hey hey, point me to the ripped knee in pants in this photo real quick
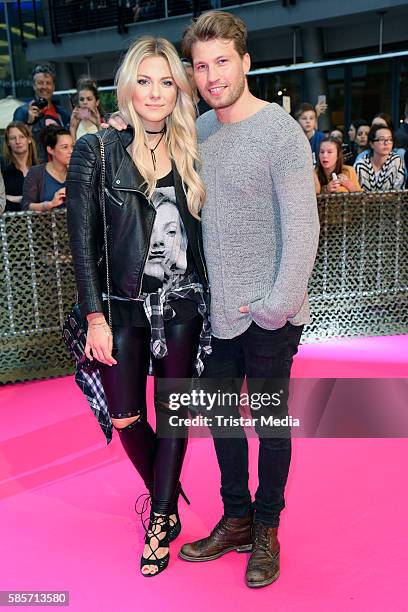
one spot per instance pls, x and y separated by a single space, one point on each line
126 422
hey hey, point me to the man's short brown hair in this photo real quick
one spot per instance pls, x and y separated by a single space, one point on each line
305 108
216 24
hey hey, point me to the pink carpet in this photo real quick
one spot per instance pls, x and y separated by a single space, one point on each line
67 520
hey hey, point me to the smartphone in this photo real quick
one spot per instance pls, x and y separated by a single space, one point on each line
286 103
84 113
321 99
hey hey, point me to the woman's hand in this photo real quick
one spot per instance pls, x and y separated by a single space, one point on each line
75 118
333 186
345 181
58 199
99 340
94 116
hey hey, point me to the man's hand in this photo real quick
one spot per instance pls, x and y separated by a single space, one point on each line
116 121
321 108
33 112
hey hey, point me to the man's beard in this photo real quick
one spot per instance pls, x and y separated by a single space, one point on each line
234 94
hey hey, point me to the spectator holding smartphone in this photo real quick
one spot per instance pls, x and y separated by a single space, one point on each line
332 176
42 110
44 185
86 116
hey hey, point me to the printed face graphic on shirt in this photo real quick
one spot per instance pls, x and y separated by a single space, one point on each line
168 244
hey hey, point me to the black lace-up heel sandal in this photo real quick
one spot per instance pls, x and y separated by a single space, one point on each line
157 532
175 526
143 506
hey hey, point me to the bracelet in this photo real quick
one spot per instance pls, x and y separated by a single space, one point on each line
44 206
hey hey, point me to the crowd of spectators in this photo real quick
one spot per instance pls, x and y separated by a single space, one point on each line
372 159
38 143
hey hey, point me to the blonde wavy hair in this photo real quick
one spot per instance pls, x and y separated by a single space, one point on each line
180 136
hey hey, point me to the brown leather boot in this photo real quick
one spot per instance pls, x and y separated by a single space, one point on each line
229 534
263 565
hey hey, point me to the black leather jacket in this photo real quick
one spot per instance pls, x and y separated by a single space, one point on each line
130 217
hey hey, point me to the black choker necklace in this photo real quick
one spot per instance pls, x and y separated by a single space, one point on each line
160 132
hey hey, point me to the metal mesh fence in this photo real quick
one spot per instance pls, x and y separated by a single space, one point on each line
37 289
359 284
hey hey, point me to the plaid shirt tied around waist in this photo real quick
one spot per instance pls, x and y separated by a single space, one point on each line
158 310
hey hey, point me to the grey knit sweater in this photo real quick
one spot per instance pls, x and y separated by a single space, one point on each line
260 222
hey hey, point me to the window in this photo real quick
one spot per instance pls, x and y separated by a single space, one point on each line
371 89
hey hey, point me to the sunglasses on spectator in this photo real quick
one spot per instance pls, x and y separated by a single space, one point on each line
384 140
45 68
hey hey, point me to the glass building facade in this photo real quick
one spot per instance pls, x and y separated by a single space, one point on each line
19 23
356 90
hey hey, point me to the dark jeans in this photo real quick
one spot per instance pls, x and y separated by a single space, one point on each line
157 459
256 354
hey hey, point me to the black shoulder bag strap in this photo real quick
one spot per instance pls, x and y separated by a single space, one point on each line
105 229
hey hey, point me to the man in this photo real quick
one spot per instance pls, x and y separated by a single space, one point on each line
260 231
307 117
42 110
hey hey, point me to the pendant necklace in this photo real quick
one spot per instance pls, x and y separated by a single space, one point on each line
162 132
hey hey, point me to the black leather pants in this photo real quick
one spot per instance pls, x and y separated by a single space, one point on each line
157 459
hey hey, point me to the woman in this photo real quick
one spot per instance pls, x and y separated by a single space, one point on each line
361 138
352 133
19 154
348 155
86 116
382 169
338 133
331 175
44 185
153 195
382 119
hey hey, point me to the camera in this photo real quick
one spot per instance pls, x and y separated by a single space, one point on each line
40 103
